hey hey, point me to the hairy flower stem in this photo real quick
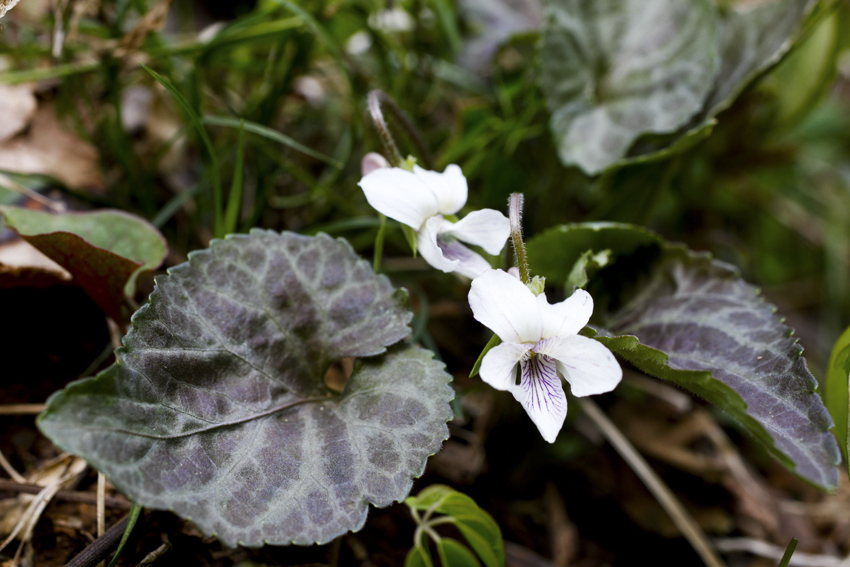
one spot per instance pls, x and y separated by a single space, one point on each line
378 98
515 207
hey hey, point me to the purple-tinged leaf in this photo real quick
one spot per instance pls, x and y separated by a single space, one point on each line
106 252
217 408
686 318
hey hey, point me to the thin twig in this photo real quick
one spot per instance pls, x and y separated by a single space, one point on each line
101 507
101 503
22 409
677 512
64 495
12 185
16 476
101 547
151 557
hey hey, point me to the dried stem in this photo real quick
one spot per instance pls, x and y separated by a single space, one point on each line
100 548
677 512
64 495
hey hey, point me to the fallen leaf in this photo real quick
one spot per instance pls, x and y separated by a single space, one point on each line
17 107
22 265
104 251
48 149
6 5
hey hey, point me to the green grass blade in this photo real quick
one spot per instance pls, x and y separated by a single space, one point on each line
54 72
234 200
449 23
135 511
316 28
271 134
218 226
789 551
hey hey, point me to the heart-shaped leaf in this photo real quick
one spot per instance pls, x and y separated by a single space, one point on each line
753 39
614 70
217 407
693 321
104 251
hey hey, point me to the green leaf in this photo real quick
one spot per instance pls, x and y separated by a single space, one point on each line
789 551
684 317
218 198
614 70
835 391
555 252
754 39
418 557
430 497
587 262
270 134
481 537
132 518
477 526
234 199
453 554
217 409
105 251
491 344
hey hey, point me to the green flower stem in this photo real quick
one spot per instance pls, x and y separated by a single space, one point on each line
515 206
375 98
378 98
379 244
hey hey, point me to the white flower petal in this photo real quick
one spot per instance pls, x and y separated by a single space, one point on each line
586 364
429 248
400 195
543 395
506 306
567 317
486 228
373 161
499 366
449 187
447 254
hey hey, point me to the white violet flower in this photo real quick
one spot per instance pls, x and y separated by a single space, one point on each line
420 198
543 339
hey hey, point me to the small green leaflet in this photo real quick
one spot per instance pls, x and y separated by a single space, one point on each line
477 526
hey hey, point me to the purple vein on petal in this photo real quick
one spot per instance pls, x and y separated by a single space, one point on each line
543 390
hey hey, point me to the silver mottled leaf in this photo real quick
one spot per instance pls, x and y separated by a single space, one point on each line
493 22
217 408
689 319
705 318
753 39
614 70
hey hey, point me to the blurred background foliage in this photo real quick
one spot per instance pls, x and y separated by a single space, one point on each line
766 191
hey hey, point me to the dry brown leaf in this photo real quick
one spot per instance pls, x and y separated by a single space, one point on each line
6 5
17 107
22 265
46 148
